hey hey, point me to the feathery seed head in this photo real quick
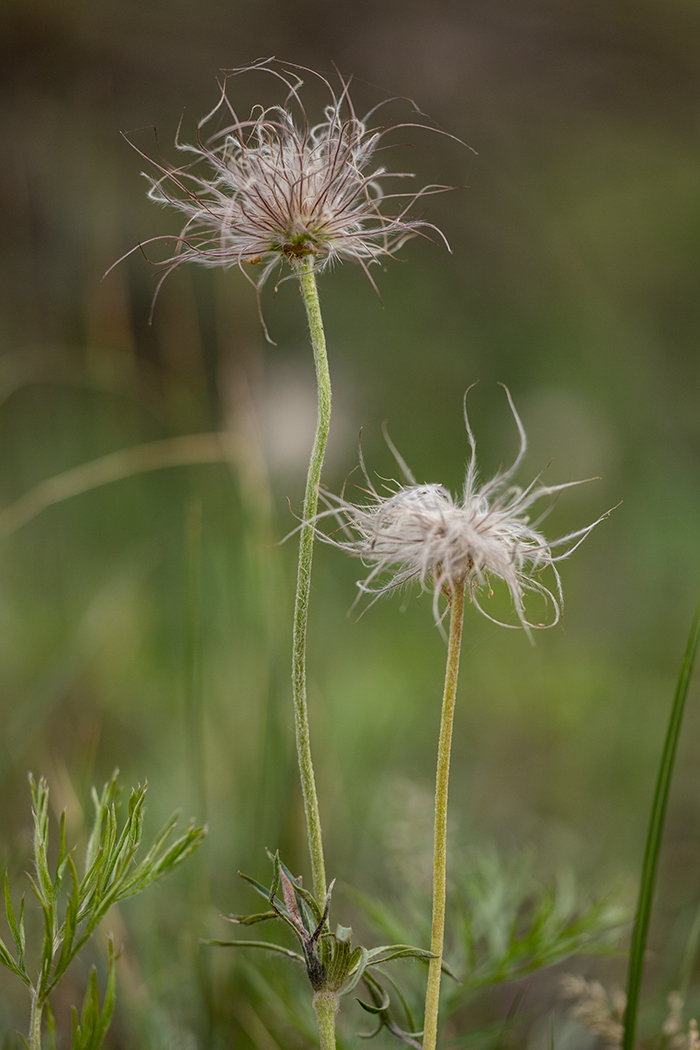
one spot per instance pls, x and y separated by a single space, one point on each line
274 186
420 532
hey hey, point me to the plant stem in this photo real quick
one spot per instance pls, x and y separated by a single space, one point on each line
307 280
326 1006
654 832
35 1021
442 778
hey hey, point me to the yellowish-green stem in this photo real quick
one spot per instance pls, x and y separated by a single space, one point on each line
307 280
326 1006
432 997
35 1021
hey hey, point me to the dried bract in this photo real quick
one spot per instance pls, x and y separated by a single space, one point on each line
420 532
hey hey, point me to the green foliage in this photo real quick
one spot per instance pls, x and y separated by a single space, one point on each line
332 964
90 1029
508 924
111 874
504 925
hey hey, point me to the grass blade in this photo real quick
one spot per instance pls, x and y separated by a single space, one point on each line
654 833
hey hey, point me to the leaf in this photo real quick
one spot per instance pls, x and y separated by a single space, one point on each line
40 799
103 804
91 1005
49 930
398 951
121 854
307 897
61 862
257 886
7 960
108 1005
402 998
265 945
93 844
155 866
111 993
654 833
51 1025
17 930
69 925
90 1030
276 877
75 1041
112 876
277 904
358 961
249 920
381 1002
380 1007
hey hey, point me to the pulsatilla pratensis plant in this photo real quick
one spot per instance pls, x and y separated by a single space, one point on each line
454 548
111 874
275 190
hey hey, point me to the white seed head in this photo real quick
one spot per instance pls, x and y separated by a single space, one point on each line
421 532
275 186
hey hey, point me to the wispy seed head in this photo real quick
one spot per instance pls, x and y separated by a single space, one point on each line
276 186
422 533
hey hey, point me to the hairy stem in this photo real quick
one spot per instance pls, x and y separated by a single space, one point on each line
307 280
35 1021
326 1006
432 997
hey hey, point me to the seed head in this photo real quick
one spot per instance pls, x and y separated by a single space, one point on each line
420 532
599 1011
275 186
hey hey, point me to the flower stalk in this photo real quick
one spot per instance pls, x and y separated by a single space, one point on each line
442 778
326 1007
305 272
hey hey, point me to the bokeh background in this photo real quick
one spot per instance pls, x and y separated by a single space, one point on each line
146 624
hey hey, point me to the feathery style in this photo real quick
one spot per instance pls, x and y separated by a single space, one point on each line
420 532
274 186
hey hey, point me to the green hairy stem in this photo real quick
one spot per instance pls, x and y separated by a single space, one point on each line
432 997
307 280
326 1006
35 1022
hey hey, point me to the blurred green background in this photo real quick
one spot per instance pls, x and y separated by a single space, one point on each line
146 624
